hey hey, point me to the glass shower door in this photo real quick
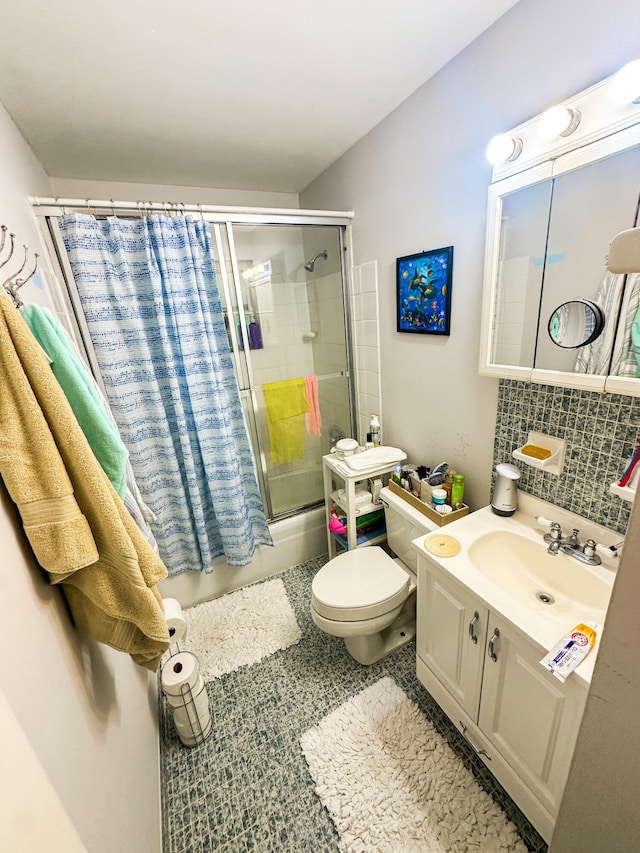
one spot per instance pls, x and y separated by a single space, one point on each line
287 327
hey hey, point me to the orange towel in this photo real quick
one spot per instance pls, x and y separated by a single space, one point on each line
313 417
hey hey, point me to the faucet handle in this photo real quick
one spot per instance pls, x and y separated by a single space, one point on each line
572 541
589 548
610 551
554 534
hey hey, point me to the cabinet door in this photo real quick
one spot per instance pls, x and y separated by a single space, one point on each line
451 632
530 716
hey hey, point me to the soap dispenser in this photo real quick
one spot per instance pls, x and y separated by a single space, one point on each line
504 500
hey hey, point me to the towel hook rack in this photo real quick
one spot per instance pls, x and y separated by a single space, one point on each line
23 265
13 284
12 238
16 280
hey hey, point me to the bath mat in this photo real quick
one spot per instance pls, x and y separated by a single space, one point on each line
391 783
241 628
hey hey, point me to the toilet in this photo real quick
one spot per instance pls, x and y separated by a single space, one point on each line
368 597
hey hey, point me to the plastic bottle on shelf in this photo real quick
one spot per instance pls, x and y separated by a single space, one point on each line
375 430
457 490
448 486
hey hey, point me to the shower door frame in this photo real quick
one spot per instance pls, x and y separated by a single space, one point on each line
65 296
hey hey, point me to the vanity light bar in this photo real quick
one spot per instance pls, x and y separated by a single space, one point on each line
625 85
603 109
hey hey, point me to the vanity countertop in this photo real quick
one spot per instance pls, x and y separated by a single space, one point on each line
504 561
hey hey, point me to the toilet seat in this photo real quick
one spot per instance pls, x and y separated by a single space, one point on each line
359 585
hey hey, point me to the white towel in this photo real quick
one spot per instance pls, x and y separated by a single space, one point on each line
378 457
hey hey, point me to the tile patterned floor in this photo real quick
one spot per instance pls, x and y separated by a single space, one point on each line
247 787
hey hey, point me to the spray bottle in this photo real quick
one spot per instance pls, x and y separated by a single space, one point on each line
374 429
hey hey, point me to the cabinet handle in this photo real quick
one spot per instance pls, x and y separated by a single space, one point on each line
473 747
472 624
491 650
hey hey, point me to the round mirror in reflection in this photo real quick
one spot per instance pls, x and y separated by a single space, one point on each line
576 323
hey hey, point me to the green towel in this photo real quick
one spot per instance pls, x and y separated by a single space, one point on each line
80 391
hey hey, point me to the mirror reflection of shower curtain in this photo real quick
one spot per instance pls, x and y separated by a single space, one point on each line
150 298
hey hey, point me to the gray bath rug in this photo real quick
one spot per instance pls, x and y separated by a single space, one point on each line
391 783
241 628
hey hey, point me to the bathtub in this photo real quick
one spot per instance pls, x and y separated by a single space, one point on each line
295 489
295 539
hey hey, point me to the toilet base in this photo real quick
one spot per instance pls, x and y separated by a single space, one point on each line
371 648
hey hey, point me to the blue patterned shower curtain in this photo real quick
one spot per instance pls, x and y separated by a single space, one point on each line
149 294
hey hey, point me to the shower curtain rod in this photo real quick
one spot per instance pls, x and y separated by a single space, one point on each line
109 205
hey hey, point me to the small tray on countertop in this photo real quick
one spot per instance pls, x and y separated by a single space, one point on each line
427 509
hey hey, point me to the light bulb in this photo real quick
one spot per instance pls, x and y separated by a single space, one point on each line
625 86
558 121
502 148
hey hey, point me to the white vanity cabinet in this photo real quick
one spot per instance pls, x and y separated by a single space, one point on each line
486 676
451 639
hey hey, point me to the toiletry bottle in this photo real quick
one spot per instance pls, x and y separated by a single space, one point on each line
374 429
448 486
369 443
457 490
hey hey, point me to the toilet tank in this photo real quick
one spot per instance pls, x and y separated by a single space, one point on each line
404 523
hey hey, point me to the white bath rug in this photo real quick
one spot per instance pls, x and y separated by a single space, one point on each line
241 628
391 784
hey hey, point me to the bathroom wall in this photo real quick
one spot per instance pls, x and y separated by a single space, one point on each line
366 334
83 715
601 432
419 181
127 191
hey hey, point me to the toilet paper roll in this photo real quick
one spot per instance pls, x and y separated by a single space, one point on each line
176 623
189 723
198 708
194 740
185 695
178 671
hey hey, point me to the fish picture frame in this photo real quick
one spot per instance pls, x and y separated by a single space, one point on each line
423 283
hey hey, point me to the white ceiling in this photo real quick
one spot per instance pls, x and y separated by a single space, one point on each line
240 94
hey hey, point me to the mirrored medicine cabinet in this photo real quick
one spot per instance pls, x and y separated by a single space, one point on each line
552 312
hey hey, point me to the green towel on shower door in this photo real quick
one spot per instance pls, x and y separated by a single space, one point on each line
103 437
286 405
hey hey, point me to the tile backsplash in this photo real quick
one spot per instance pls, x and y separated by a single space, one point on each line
600 430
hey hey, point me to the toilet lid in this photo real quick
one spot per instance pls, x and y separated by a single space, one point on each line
359 584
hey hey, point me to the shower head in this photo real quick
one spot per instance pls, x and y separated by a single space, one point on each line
310 265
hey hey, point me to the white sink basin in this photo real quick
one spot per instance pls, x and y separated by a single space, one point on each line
525 570
504 562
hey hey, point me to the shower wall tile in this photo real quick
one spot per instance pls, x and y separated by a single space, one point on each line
367 345
327 323
600 430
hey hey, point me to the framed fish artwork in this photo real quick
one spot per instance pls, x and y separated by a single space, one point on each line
423 284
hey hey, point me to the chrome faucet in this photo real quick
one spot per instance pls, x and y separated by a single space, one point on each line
571 545
554 538
587 554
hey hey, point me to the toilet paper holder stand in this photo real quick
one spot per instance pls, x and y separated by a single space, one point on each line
188 697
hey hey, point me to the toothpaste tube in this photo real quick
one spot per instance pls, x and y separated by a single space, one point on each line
571 650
